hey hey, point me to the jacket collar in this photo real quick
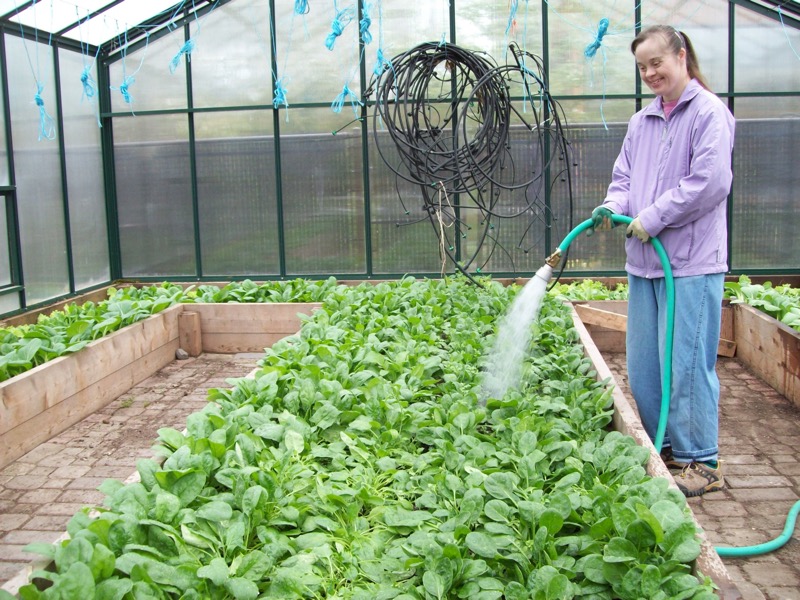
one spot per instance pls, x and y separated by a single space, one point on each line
690 91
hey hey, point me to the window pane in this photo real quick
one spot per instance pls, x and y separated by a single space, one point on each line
765 54
87 208
38 172
236 193
403 238
310 72
706 25
573 26
146 73
5 250
231 60
9 303
484 26
4 171
765 192
154 196
323 194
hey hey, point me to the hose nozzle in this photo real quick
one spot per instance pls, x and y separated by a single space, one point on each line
554 258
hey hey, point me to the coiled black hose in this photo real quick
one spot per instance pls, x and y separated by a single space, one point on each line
474 136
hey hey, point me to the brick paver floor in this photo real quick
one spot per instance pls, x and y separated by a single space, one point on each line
41 491
759 446
759 438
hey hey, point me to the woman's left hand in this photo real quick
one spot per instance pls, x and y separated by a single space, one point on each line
635 228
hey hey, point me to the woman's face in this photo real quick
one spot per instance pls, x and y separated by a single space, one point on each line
664 72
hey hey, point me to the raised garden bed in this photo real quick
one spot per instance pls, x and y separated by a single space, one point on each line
42 402
192 321
763 344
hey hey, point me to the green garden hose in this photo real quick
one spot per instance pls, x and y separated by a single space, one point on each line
666 381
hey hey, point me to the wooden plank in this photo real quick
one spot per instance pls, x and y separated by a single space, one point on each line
271 312
726 348
770 349
55 419
34 391
590 315
232 343
606 321
189 332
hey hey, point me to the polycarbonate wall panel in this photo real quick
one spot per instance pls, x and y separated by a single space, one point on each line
5 250
5 176
141 79
403 238
766 57
323 194
490 26
766 197
231 62
236 193
9 303
154 196
706 25
572 27
593 150
85 181
37 165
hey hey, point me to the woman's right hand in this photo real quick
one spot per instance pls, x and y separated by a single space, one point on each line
601 219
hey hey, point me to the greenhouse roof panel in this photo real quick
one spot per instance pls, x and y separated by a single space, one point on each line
94 22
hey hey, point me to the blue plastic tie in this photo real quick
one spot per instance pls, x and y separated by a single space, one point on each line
366 21
592 48
339 101
89 86
301 7
342 20
123 88
186 49
280 95
512 15
381 63
47 129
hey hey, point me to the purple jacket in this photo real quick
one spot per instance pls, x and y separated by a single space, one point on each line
675 176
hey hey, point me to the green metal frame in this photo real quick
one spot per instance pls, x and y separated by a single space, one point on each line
111 52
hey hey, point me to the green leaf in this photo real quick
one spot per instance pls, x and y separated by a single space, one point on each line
434 584
552 520
395 516
76 582
113 589
619 550
215 511
294 441
242 589
252 565
216 571
482 544
501 485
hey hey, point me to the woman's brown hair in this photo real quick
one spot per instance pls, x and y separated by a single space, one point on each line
675 41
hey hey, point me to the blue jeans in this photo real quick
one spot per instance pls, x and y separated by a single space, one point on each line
693 422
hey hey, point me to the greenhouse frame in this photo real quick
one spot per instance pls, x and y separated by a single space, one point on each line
230 139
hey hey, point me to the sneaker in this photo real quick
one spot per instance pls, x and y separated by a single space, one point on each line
696 478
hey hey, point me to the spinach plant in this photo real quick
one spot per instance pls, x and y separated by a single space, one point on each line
358 464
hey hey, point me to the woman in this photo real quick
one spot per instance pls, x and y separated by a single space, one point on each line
673 176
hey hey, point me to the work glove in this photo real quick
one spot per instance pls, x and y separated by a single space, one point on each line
635 228
601 219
